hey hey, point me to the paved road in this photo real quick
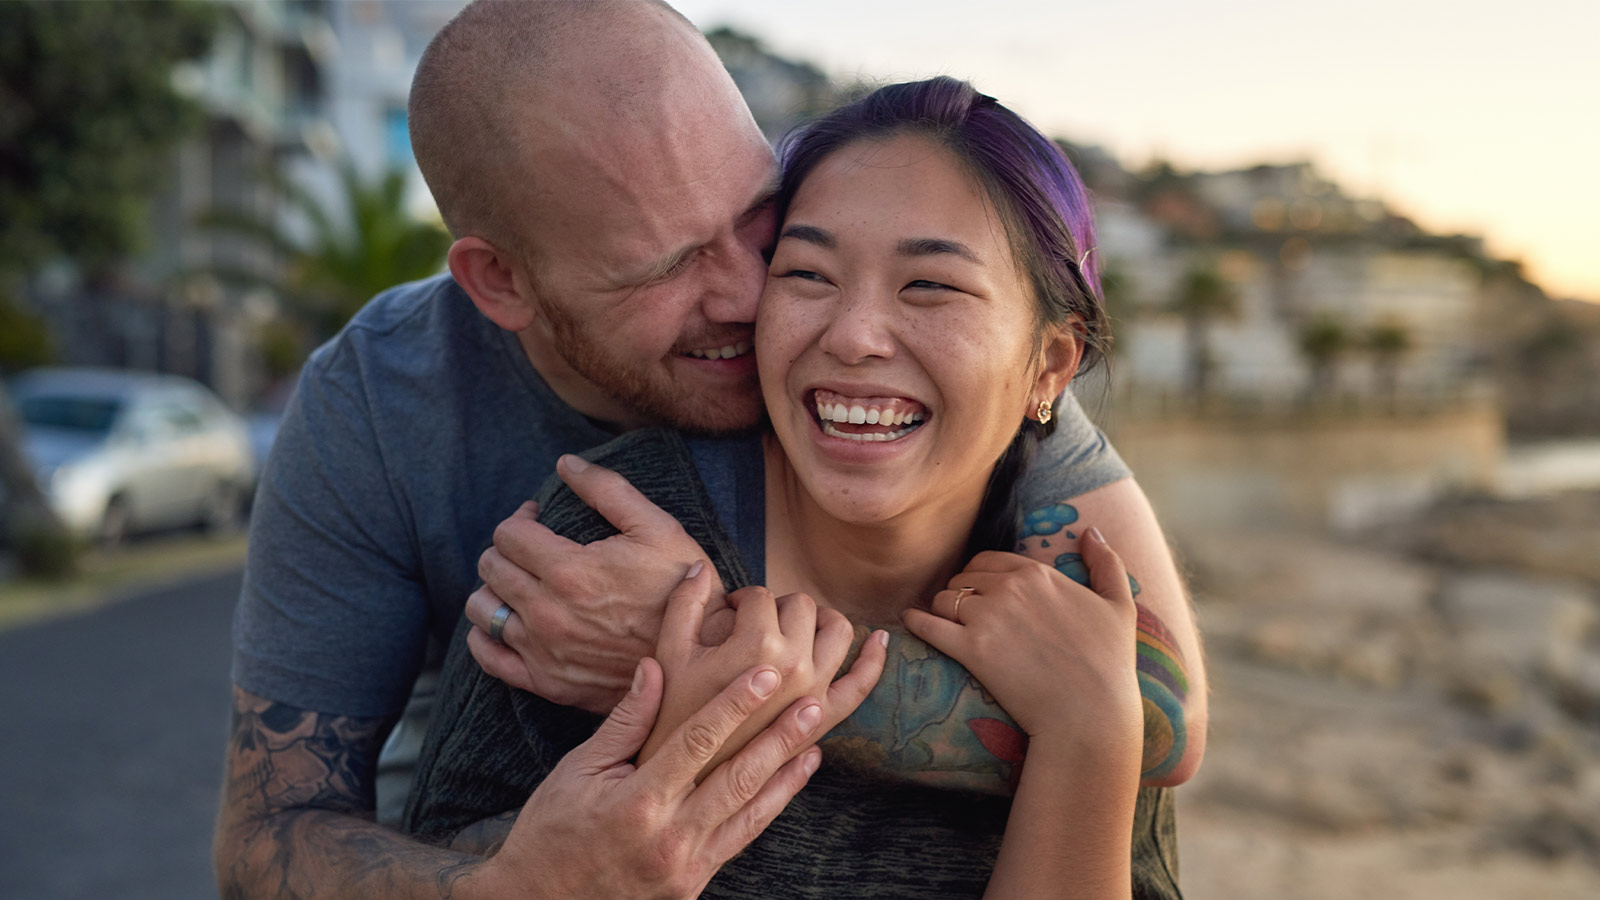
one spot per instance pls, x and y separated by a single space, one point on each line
111 734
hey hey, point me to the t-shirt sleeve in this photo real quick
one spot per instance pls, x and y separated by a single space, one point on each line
333 615
1075 460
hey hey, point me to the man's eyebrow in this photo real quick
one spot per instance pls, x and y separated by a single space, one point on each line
811 234
937 246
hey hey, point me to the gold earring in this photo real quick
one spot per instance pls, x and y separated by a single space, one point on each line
1044 412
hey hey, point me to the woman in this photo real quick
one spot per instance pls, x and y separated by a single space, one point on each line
927 294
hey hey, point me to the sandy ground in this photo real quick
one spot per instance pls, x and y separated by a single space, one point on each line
1400 716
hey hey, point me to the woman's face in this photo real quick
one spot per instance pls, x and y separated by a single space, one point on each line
896 338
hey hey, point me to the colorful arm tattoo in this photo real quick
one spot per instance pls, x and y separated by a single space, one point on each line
930 722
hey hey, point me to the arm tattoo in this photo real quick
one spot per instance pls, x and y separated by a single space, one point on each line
297 813
929 721
1163 680
485 838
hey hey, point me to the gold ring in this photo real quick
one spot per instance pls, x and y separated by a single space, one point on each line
962 593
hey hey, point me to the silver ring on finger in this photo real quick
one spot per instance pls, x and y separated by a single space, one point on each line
497 622
962 593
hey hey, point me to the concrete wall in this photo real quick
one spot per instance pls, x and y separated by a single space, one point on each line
1343 471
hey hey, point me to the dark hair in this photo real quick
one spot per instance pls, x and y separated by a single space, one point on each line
1042 201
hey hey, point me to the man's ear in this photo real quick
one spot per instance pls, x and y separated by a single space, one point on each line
490 276
1062 353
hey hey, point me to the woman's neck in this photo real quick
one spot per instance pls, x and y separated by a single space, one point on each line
868 572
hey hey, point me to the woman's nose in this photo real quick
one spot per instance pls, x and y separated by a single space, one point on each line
859 331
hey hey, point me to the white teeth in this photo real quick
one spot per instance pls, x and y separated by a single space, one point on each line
841 413
728 352
828 429
872 417
858 416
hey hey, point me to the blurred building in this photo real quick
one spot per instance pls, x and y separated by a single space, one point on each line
289 87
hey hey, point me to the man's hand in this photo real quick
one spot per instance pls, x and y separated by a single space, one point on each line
582 615
599 827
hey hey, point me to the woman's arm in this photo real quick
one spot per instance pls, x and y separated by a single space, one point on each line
1059 657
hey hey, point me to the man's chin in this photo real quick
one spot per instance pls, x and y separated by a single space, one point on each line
708 417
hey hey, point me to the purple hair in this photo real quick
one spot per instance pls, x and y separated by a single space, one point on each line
1046 208
1048 220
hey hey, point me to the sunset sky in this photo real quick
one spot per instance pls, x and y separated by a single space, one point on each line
1464 115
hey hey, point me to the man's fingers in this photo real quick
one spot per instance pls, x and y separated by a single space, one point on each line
753 818
741 777
624 731
694 743
499 661
525 547
610 495
686 608
482 604
1108 577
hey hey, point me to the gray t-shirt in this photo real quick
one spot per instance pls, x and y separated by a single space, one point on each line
412 434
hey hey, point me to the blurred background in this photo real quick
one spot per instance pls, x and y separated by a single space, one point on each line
1349 256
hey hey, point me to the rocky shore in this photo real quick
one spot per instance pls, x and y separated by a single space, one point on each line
1414 714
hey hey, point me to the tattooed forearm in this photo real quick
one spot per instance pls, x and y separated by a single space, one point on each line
929 721
297 814
486 837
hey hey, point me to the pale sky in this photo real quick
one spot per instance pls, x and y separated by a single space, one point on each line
1466 116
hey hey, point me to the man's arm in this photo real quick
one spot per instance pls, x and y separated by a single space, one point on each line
297 813
297 808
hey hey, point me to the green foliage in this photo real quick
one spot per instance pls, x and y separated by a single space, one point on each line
349 254
1324 340
24 339
1203 296
46 551
1389 340
87 113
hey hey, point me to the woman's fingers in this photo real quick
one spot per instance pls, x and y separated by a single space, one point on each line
797 616
686 609
847 692
758 612
946 636
1108 577
834 636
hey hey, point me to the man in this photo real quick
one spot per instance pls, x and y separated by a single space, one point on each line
609 191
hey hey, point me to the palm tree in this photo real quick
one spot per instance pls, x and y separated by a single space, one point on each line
1204 297
348 255
1323 341
1388 341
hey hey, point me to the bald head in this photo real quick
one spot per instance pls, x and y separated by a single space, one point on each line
511 90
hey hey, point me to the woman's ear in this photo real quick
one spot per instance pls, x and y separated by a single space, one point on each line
491 277
1062 354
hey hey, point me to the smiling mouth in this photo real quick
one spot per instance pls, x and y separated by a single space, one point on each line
867 418
727 351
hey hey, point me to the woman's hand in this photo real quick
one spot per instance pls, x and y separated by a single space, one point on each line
1057 656
806 645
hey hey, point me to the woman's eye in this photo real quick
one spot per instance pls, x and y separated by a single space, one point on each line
922 284
803 274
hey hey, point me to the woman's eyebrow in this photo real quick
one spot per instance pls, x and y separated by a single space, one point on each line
937 246
811 234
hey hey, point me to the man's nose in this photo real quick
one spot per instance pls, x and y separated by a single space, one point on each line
737 276
859 331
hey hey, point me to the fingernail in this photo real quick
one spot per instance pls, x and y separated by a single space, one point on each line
809 717
883 638
694 569
1095 533
765 682
575 464
811 760
638 677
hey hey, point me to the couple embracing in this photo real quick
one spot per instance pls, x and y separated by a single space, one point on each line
842 587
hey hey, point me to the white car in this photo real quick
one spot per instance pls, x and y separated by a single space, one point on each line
117 452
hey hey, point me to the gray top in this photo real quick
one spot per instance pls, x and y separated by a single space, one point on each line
412 434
